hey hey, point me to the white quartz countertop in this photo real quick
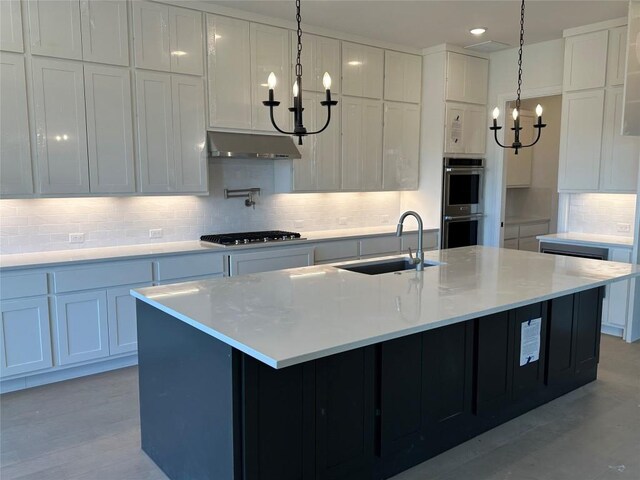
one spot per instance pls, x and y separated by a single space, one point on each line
291 316
574 238
64 257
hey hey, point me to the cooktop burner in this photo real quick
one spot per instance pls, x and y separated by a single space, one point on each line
244 238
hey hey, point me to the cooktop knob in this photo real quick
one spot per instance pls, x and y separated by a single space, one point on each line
237 242
246 240
266 239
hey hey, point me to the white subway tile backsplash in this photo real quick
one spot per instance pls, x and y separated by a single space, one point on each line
601 213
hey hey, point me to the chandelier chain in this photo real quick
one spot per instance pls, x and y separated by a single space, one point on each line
299 32
520 56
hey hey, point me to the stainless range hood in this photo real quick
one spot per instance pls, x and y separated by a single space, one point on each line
250 145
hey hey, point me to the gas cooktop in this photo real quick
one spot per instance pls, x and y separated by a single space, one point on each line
244 238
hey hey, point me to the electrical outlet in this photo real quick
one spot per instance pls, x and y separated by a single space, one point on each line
298 224
76 238
342 221
385 219
623 227
155 233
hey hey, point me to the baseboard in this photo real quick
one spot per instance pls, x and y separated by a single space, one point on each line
613 330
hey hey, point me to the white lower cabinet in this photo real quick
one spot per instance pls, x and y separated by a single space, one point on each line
245 263
25 336
121 313
616 301
81 327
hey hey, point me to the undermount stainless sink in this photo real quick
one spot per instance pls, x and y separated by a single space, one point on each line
377 268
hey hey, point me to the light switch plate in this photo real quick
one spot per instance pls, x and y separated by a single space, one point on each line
623 227
155 233
76 238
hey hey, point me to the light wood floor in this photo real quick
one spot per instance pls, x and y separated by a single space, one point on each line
88 429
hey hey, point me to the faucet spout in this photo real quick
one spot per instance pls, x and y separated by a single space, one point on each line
419 260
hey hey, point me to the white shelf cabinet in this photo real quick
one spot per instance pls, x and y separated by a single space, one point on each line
402 77
519 167
109 129
105 31
361 144
229 72
401 147
465 129
59 104
585 61
81 327
466 79
319 55
11 26
25 336
362 70
15 150
54 28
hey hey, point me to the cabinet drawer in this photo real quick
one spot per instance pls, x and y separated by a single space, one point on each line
23 285
510 232
534 230
196 265
429 240
269 260
529 244
512 244
113 274
379 246
341 250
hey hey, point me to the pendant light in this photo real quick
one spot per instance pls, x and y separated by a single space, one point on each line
517 145
299 129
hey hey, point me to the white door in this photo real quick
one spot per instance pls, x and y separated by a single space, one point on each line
186 43
617 56
362 70
58 97
229 72
270 53
25 336
151 35
54 28
189 134
403 77
81 327
109 129
246 263
105 31
519 166
581 140
15 149
620 154
400 160
121 308
11 26
585 61
155 132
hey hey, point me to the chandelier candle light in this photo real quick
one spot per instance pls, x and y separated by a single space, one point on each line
299 129
517 145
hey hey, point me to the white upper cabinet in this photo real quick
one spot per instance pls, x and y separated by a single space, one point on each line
189 152
465 129
617 56
109 129
11 26
519 167
186 42
155 132
15 150
361 144
631 123
581 140
402 77
466 79
229 72
401 156
58 97
105 31
362 70
270 53
585 61
54 28
319 55
620 154
151 35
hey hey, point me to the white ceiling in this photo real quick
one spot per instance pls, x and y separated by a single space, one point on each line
426 23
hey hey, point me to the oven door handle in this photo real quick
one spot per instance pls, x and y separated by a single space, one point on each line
477 216
464 171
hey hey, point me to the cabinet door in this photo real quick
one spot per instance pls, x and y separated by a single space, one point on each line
81 327
620 154
155 132
11 26
185 33
519 166
245 263
121 314
616 302
585 61
189 134
105 31
109 129
467 78
581 140
528 378
58 94
454 128
15 149
25 336
401 146
475 130
270 53
362 70
54 28
589 315
617 56
319 55
151 35
631 123
229 69
402 77
561 358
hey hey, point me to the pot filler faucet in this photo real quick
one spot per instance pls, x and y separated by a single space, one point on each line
418 261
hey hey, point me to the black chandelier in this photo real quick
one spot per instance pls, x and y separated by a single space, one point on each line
517 145
299 129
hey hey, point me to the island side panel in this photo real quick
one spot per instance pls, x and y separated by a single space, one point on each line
188 389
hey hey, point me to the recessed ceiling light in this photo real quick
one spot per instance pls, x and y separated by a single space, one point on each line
477 31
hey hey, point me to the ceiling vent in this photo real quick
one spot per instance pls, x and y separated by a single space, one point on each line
488 46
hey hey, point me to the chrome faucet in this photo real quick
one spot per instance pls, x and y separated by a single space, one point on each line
418 261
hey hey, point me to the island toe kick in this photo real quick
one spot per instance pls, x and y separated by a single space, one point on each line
209 411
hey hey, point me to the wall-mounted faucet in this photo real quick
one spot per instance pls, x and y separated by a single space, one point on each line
418 261
247 193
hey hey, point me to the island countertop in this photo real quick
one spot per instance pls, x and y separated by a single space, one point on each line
287 317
